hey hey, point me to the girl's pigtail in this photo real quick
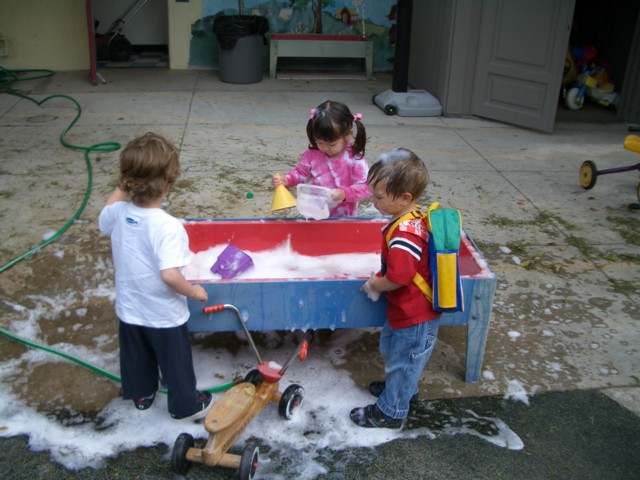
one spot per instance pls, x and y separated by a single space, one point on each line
312 141
360 141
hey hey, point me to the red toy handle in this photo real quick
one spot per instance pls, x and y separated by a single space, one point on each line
303 351
213 308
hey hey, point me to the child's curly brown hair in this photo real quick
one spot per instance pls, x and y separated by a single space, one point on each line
149 167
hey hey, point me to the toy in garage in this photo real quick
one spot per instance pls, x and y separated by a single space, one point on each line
587 76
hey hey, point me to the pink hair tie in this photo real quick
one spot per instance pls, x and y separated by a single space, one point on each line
357 116
312 113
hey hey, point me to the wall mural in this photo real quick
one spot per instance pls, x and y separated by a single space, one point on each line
373 19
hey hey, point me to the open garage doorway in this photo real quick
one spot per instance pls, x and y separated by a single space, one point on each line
131 33
605 38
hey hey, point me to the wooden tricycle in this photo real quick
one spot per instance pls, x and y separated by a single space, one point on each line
236 409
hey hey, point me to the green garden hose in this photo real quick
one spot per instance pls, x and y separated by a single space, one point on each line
7 78
93 368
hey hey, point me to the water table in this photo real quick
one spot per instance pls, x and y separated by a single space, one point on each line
324 303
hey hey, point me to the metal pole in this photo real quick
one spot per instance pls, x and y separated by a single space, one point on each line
403 42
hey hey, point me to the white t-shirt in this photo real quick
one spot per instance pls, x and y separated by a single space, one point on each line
145 241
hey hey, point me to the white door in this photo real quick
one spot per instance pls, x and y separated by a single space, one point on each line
521 52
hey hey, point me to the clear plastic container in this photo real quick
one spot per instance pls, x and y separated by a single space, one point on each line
314 201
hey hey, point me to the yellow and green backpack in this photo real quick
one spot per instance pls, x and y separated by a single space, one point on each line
445 228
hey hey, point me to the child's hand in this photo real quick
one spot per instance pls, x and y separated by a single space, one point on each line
368 288
337 195
278 180
199 294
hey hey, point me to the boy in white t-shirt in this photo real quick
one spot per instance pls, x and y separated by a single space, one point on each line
150 250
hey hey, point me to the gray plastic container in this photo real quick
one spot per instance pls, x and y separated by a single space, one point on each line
242 41
243 62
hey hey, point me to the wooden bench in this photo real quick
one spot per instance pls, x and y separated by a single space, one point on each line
312 45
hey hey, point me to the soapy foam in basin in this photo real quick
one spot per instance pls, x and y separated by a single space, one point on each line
283 263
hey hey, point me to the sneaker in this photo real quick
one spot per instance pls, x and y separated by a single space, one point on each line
376 388
205 401
144 403
371 417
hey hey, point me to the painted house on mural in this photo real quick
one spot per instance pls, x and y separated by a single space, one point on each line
346 16
498 59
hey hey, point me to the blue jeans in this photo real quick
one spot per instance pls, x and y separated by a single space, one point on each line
406 352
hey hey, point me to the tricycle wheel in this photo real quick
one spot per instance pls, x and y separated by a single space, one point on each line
254 377
291 399
179 462
248 462
573 100
588 174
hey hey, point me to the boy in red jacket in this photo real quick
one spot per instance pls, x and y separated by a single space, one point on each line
409 335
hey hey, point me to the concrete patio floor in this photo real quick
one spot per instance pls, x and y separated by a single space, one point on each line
566 309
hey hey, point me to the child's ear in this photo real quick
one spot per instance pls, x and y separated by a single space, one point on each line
406 198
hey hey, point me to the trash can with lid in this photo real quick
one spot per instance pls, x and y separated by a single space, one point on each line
241 41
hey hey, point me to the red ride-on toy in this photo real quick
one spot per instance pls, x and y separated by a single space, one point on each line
236 409
589 173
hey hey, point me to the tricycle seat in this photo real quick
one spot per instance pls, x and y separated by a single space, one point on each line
230 407
632 143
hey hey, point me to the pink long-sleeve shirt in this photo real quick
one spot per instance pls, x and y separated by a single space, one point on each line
346 172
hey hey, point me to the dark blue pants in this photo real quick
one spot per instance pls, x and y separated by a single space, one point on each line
145 353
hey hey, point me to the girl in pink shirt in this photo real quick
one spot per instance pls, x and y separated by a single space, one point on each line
334 158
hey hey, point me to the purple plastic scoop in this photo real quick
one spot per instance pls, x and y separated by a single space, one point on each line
232 262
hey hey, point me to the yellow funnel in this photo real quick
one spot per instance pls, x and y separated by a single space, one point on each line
282 198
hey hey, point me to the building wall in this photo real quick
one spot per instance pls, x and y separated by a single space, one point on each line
44 34
444 35
375 19
53 34
182 15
